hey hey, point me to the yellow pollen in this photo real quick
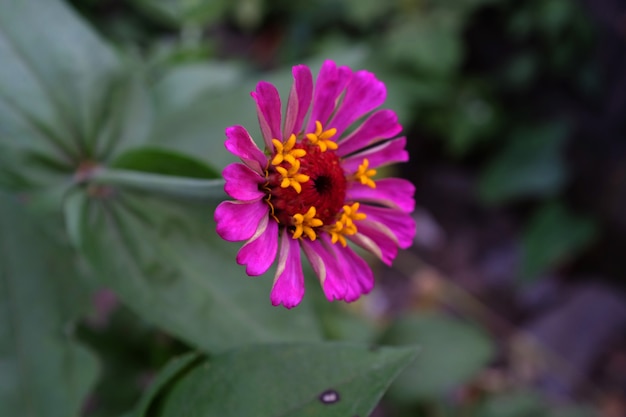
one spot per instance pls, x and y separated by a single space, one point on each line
322 137
345 225
285 151
363 174
305 223
291 178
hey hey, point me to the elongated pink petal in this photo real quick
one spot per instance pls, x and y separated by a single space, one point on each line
359 275
288 288
401 224
240 144
239 220
259 253
242 183
392 192
386 153
299 100
364 93
381 125
377 239
268 110
330 83
321 255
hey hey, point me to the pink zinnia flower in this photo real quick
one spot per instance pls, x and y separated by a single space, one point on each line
314 188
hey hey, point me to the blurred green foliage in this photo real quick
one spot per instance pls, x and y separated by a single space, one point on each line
117 100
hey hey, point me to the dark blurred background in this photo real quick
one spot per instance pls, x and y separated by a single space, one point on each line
515 113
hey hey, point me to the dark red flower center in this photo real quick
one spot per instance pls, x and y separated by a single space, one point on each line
325 190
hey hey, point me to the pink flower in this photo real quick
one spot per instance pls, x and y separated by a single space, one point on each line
314 188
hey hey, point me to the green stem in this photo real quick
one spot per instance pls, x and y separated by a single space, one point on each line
183 187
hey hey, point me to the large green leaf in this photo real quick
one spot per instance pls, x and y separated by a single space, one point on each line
169 375
168 264
286 381
194 123
54 75
452 352
43 371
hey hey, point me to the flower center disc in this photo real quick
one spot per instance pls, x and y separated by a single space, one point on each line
325 190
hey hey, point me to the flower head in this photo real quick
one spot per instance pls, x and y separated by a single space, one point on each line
314 186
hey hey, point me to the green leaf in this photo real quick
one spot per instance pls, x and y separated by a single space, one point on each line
531 164
163 161
553 236
43 371
180 86
197 127
171 374
167 263
287 381
180 12
451 353
429 44
52 79
514 404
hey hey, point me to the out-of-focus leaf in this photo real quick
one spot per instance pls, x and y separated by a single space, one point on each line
464 120
366 12
53 78
164 162
451 353
429 44
554 15
128 118
197 127
180 86
180 12
517 404
572 411
43 371
553 236
169 375
168 264
287 381
197 121
531 164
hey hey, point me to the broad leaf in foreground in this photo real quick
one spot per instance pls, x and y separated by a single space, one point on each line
43 371
168 265
325 379
452 352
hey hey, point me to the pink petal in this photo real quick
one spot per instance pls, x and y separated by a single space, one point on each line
242 183
363 94
392 192
401 224
331 82
299 100
357 272
322 258
240 144
381 125
239 220
377 239
259 252
268 110
384 154
288 288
